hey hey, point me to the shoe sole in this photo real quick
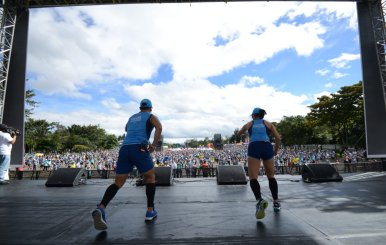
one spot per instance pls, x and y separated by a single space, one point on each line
276 209
99 224
150 218
261 212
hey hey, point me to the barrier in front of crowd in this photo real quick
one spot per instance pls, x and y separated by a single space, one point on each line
203 172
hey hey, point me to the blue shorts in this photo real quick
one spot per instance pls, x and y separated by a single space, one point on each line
260 150
130 156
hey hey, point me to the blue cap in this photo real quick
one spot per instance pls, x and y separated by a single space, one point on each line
256 111
145 103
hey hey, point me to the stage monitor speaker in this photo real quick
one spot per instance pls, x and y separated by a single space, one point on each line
163 176
231 175
66 177
320 172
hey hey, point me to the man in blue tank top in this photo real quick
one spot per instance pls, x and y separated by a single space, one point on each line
260 148
135 151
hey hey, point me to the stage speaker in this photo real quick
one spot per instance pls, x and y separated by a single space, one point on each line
231 175
158 147
65 177
320 172
163 176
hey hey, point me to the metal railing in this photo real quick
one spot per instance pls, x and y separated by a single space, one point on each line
364 166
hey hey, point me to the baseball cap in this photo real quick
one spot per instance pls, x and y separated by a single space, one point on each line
257 110
145 103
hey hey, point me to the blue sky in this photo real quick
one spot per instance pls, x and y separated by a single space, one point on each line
205 66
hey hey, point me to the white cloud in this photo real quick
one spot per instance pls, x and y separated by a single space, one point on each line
111 103
250 81
130 42
338 75
198 108
322 72
191 109
334 11
343 60
328 85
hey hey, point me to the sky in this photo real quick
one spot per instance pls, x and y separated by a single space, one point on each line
204 66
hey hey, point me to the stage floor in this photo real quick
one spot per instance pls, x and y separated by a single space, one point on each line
198 211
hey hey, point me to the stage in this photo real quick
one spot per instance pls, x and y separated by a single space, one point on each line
198 211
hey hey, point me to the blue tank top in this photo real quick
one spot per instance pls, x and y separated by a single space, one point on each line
258 131
138 129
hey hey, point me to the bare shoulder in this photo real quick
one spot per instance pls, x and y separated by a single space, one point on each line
248 125
154 119
152 116
268 124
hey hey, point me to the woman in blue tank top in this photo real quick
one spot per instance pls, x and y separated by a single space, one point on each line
260 150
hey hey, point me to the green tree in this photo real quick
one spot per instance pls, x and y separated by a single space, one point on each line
31 103
294 130
94 135
192 143
234 138
342 113
110 141
44 136
36 133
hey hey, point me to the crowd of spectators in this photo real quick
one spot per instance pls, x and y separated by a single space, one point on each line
193 162
92 160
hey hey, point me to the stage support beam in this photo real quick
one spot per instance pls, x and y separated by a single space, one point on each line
374 103
15 96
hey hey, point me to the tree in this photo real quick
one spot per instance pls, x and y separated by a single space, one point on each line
47 137
36 133
294 130
343 113
31 104
109 142
95 135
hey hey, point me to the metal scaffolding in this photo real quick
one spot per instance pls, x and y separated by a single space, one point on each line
7 28
378 9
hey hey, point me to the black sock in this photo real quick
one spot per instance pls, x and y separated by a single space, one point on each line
109 194
273 187
255 186
150 193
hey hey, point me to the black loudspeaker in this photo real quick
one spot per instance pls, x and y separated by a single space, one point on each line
231 175
320 172
159 143
65 177
163 176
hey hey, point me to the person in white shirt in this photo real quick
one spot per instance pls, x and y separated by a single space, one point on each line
6 142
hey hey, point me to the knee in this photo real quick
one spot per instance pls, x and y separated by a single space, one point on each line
149 178
270 175
119 184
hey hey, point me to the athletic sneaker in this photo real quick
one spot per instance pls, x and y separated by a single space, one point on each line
260 208
276 206
150 215
99 218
